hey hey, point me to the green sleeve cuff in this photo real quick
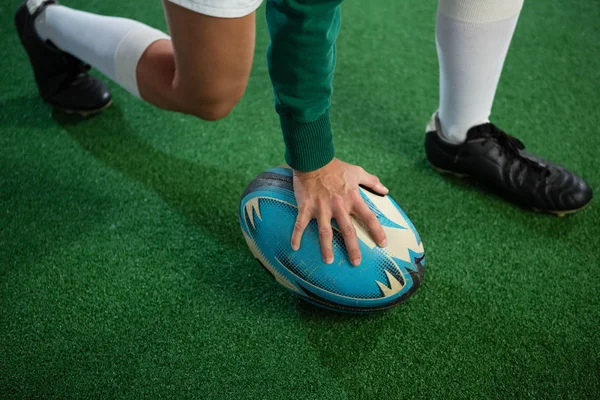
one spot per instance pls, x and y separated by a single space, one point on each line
308 145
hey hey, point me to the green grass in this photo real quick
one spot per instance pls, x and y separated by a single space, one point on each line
123 272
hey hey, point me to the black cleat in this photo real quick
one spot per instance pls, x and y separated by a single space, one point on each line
495 158
63 80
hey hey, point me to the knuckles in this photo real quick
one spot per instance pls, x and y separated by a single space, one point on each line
371 219
337 199
348 232
298 226
325 231
355 195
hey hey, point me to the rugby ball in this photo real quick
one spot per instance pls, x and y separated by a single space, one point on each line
386 276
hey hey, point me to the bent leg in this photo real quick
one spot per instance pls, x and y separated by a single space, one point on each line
204 69
201 70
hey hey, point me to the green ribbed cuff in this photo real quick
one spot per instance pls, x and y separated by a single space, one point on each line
308 145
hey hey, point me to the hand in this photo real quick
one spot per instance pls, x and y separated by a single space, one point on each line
332 192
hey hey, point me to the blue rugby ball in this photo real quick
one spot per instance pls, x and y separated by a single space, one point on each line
386 276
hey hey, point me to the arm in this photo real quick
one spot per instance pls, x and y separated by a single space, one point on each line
301 59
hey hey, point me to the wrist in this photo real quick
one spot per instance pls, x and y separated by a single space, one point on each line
309 145
315 172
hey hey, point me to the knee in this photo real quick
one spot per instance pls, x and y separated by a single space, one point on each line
210 105
212 110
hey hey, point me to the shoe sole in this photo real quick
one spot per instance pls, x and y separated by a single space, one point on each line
563 212
558 213
83 113
447 172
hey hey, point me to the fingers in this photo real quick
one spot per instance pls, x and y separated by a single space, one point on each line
362 211
325 237
348 232
334 192
373 183
325 233
302 221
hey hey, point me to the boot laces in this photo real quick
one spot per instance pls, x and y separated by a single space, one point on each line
511 147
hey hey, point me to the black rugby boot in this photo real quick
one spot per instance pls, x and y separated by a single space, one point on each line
63 80
497 159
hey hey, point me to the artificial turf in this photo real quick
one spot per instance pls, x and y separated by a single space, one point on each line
124 273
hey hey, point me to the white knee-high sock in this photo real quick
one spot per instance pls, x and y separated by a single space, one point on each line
111 44
473 37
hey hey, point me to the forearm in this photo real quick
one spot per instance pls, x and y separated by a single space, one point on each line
301 59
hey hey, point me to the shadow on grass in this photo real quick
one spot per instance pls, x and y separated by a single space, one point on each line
190 188
206 196
343 341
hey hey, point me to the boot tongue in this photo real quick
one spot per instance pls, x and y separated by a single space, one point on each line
483 131
491 131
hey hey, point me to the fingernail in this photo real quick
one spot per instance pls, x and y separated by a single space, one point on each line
356 262
383 243
329 260
295 247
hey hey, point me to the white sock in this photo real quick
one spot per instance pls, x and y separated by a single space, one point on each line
111 44
472 37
